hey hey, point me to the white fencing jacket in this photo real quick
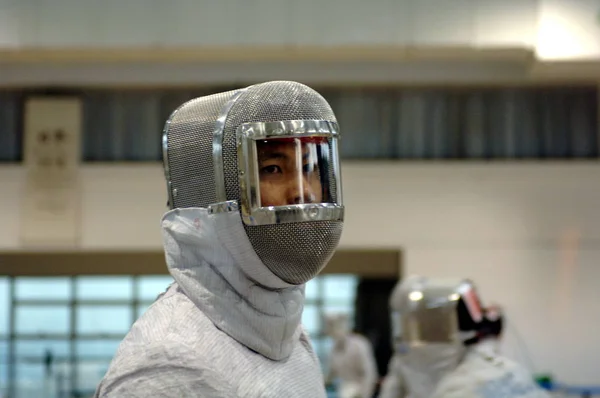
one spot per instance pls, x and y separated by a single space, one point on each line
228 327
485 374
481 374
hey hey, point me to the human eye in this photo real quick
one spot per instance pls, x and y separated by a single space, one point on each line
309 168
271 169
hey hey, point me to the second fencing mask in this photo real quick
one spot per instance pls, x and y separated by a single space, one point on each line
269 152
432 320
435 311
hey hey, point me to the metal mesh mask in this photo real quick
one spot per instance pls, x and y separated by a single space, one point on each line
210 155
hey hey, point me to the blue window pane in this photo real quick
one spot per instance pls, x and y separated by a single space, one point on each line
61 379
35 350
311 291
46 288
340 287
103 319
317 344
324 347
142 308
53 319
4 307
33 372
311 320
104 288
149 287
90 349
29 380
89 375
3 367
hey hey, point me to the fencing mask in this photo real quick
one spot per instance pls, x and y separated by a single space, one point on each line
433 319
269 152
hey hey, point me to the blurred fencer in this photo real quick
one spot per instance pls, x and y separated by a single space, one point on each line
351 360
393 385
254 185
437 335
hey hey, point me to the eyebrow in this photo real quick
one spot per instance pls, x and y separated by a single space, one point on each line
272 155
278 155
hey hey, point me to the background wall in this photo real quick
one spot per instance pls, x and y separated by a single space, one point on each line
70 42
527 233
509 67
416 205
155 23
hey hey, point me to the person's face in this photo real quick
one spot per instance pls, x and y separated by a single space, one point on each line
288 172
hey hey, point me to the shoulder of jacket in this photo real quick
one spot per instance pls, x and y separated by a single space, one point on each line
163 369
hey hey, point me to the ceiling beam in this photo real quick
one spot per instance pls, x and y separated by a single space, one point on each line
371 263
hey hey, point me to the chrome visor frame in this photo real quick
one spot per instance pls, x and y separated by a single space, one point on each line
252 213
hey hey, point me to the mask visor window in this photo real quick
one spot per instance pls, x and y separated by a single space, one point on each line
289 172
295 171
429 325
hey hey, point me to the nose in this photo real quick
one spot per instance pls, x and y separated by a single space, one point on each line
301 194
304 197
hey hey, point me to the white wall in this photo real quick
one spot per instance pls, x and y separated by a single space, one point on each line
155 23
416 205
228 73
117 213
392 32
564 30
528 233
552 30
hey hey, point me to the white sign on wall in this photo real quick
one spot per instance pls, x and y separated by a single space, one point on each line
51 205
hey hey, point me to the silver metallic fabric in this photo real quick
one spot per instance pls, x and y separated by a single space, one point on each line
216 332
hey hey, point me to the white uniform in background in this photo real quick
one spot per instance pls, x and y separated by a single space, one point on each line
351 360
440 349
229 327
485 374
393 385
